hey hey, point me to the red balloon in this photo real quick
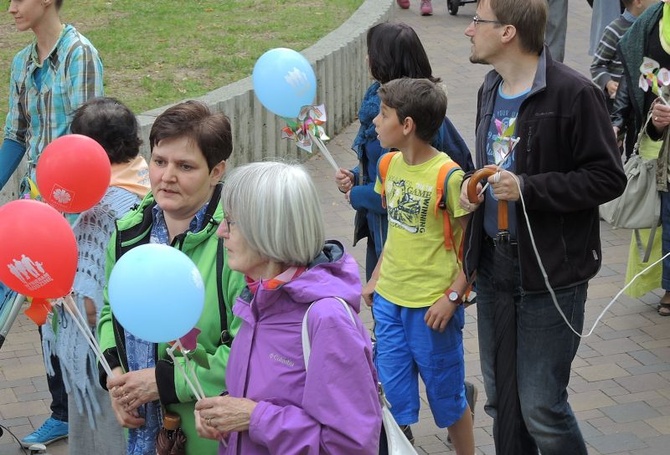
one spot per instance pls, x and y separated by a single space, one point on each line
38 257
73 173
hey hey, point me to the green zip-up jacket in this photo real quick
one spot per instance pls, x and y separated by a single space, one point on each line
202 247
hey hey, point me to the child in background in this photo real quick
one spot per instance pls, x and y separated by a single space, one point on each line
419 321
606 68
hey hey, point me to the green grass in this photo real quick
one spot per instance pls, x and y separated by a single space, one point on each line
156 52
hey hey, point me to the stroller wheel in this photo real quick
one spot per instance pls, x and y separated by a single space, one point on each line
452 6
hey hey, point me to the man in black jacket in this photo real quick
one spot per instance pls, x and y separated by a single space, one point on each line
546 130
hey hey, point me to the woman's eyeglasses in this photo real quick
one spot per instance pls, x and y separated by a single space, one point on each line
229 223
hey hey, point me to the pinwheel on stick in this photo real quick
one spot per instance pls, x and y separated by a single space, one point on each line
285 84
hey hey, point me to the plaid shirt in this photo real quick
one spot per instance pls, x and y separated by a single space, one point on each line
40 113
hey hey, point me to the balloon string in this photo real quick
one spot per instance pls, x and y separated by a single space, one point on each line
324 150
170 352
70 306
546 277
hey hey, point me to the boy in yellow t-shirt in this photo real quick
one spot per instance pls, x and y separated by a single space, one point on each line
418 283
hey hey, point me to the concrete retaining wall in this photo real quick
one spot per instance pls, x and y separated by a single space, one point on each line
342 77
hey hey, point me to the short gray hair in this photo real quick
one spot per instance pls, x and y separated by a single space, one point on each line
276 208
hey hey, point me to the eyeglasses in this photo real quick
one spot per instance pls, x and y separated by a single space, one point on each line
229 223
478 21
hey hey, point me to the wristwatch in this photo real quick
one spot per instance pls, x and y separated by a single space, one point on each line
454 297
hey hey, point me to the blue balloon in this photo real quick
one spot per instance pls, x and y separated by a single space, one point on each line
156 292
284 82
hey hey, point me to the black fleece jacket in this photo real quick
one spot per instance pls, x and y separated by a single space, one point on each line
568 164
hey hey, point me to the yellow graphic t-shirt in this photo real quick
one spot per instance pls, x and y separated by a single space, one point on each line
417 268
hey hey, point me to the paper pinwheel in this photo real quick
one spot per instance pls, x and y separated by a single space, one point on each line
653 77
308 130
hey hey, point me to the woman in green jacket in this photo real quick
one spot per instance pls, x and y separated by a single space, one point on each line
189 146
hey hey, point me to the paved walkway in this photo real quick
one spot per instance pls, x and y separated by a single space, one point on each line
620 387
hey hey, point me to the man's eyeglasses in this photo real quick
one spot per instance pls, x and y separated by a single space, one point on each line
478 21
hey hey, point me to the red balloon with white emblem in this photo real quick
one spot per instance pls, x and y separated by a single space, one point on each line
73 173
38 257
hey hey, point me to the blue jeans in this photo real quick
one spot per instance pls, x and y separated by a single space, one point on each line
665 222
59 409
546 348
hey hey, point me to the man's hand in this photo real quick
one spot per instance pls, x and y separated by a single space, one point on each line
465 202
504 184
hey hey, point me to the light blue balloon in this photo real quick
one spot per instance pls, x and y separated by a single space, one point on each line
284 82
156 292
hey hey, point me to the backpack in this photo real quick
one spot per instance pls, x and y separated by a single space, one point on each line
443 175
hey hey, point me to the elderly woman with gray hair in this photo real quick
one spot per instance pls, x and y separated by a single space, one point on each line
273 232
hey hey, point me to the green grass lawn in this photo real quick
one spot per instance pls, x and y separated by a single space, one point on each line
156 52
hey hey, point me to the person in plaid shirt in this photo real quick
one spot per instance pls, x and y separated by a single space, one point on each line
50 78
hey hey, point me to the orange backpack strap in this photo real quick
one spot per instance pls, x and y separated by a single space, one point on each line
382 170
443 175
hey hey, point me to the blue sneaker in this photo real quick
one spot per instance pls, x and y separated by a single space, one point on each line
50 431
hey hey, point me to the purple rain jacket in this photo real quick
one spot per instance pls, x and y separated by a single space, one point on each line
334 408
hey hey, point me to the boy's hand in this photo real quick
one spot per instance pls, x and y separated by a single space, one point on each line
438 315
368 290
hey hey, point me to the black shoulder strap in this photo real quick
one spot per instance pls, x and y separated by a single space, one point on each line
223 314
213 205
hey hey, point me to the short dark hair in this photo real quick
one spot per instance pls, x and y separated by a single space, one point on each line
211 132
111 124
528 17
421 99
58 4
395 51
